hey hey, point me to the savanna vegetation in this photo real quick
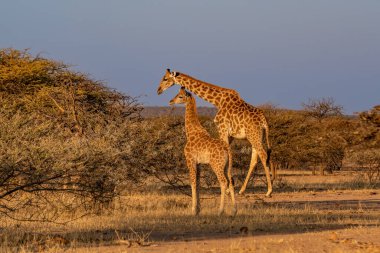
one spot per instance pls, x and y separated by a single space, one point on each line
70 146
60 132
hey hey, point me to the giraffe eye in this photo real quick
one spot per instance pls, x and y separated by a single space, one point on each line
165 79
180 96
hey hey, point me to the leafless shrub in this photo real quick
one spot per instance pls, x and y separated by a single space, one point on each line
368 162
322 108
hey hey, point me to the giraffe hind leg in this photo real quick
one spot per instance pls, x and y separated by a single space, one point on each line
252 167
220 174
232 193
263 157
230 186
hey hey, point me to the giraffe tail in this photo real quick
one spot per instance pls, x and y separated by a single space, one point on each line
229 171
269 151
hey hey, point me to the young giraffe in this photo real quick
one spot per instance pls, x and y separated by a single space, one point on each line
235 118
202 149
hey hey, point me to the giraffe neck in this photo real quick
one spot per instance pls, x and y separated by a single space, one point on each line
192 122
209 92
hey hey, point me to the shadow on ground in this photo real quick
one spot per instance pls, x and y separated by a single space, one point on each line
188 228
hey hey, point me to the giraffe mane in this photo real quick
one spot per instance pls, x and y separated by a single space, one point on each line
210 84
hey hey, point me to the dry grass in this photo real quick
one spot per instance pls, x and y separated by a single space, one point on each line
143 219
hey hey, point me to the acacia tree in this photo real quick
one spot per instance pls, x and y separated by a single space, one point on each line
322 108
61 134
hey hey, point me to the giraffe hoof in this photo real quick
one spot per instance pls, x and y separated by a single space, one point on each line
241 192
268 195
196 211
234 211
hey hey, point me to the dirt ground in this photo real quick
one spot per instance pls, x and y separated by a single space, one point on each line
307 213
348 238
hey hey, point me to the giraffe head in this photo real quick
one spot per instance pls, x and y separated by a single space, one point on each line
181 98
167 81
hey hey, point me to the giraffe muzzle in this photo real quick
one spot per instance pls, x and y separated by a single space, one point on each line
159 90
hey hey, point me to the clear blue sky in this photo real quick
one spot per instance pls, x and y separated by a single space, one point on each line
282 52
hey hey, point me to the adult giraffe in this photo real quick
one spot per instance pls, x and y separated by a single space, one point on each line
235 118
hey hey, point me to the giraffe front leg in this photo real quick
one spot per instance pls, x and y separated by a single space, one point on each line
223 135
193 172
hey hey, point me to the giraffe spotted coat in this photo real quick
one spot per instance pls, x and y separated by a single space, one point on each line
235 118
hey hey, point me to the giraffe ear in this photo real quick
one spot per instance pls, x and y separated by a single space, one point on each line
168 70
175 74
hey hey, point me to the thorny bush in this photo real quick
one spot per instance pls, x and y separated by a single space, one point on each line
65 140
